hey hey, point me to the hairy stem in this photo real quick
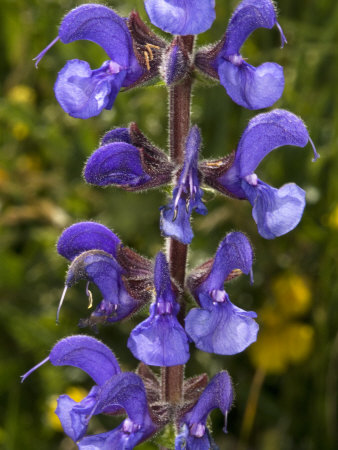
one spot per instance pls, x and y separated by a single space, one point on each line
179 124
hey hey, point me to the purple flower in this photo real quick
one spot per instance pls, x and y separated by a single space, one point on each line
248 86
276 211
181 17
113 393
97 255
187 195
161 340
83 92
194 432
127 159
219 326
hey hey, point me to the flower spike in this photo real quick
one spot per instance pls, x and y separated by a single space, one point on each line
219 326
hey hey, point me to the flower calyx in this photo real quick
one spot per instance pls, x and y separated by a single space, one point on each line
148 48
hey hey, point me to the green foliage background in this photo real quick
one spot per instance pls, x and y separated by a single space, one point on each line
42 191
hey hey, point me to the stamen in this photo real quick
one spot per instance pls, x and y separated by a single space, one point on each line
317 155
214 163
187 204
282 35
251 277
225 428
175 213
146 57
149 47
38 58
23 377
60 304
89 295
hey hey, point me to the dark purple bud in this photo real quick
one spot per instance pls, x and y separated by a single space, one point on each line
132 162
116 135
175 62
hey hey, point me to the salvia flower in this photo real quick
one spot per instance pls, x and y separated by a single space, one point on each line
194 432
97 255
127 159
218 326
276 211
181 17
161 340
248 86
113 393
187 195
83 92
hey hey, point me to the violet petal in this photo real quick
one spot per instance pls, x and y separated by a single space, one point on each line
181 17
84 236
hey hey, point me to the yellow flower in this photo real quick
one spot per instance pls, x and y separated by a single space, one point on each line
282 340
20 131
292 294
333 219
276 348
21 94
76 393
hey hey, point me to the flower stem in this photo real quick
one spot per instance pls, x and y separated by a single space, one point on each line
179 124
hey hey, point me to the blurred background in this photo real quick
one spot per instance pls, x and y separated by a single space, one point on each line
286 383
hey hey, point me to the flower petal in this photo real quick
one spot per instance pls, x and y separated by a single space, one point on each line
234 252
101 25
117 163
88 354
252 87
73 415
276 211
265 133
126 390
84 236
248 16
162 280
194 433
177 227
181 17
218 394
223 329
82 92
160 341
